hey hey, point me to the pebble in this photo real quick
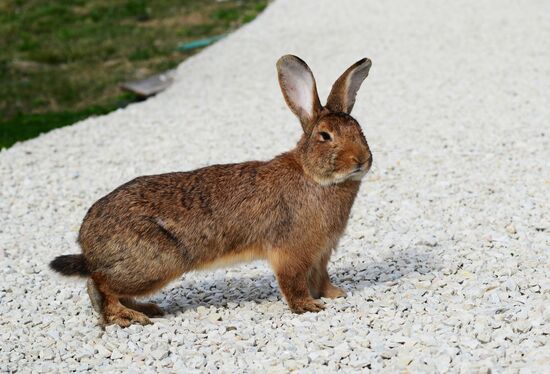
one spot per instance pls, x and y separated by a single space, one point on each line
116 355
159 354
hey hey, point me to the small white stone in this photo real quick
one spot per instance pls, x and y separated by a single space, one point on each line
116 355
342 350
522 326
484 337
214 317
159 354
103 352
388 353
47 354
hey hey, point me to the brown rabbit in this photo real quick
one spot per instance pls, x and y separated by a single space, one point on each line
290 211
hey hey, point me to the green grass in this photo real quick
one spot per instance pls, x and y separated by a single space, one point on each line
63 60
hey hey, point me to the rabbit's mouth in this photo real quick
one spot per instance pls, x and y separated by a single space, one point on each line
357 174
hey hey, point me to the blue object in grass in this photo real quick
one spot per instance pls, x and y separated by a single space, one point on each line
200 43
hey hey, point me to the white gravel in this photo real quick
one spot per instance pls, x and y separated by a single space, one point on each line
446 257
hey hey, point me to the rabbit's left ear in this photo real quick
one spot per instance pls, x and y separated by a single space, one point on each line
299 89
344 90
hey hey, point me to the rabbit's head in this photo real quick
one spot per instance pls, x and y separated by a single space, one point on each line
333 148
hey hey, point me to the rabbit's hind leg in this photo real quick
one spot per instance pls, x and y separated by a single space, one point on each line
111 308
149 309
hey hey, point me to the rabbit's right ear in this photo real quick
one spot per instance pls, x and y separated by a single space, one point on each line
299 90
344 90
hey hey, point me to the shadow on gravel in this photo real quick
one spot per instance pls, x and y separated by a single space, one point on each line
409 262
222 292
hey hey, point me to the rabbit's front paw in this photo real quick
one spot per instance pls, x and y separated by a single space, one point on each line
306 305
333 292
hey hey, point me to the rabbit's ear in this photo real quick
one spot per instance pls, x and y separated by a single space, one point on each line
342 95
299 89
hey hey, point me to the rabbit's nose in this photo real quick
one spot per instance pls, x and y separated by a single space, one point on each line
358 161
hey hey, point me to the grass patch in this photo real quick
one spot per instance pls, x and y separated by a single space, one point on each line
62 61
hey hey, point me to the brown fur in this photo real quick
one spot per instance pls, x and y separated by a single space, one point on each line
290 211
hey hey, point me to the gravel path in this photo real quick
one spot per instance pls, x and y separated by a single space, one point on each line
446 257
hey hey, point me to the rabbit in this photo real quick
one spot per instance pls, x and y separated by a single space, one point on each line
290 211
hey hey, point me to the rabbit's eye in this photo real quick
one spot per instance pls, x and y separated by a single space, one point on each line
324 136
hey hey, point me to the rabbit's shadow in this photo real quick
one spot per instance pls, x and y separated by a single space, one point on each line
227 289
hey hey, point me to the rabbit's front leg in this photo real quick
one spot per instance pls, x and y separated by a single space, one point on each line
292 276
319 280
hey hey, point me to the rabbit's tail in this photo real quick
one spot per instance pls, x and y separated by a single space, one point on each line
70 265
